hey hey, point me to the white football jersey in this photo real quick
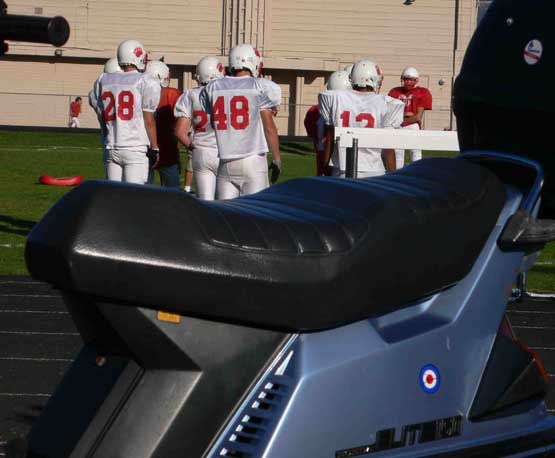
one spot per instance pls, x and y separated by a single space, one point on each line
93 98
188 106
122 98
234 104
93 102
273 90
349 108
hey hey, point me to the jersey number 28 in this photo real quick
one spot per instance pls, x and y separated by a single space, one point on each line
124 107
238 113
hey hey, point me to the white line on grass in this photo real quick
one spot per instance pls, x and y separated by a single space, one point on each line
543 295
534 312
20 395
38 360
20 282
533 327
45 147
12 245
15 307
37 333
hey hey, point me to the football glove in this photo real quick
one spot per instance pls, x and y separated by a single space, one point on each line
153 157
275 171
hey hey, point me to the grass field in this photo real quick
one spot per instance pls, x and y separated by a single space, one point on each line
24 156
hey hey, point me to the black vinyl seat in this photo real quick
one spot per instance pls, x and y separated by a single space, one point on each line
307 254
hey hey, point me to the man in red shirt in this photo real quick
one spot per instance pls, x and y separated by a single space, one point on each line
75 110
417 100
168 163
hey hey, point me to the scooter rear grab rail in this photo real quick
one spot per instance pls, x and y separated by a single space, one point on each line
492 159
522 231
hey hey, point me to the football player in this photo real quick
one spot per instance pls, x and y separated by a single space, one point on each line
349 69
272 89
111 66
168 163
190 113
416 100
314 123
361 107
240 107
126 103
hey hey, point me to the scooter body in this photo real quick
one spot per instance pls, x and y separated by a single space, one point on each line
438 375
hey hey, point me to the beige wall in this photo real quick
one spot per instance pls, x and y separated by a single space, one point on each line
302 42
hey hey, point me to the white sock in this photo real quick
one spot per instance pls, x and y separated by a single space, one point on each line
187 188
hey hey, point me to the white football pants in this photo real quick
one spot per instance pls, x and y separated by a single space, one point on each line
130 166
75 123
241 177
415 154
205 172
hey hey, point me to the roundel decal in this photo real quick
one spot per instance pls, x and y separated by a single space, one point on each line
430 379
533 52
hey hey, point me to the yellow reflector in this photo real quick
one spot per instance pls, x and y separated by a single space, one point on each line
169 317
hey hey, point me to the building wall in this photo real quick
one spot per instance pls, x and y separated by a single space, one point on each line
302 42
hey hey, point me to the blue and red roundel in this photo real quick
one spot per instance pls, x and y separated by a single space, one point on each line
430 379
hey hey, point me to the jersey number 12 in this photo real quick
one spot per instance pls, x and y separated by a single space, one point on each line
346 117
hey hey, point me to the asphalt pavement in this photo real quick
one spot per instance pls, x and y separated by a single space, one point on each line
38 341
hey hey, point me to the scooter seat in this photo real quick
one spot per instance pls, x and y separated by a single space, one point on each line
307 254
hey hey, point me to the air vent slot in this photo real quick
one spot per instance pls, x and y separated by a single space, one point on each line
248 434
234 453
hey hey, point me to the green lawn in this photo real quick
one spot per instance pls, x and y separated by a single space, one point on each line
24 156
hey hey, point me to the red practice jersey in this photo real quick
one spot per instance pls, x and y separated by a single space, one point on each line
414 98
75 109
165 124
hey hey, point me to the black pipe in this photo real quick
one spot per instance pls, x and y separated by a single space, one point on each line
351 160
34 29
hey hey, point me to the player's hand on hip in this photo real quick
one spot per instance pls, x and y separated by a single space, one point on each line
275 171
153 157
